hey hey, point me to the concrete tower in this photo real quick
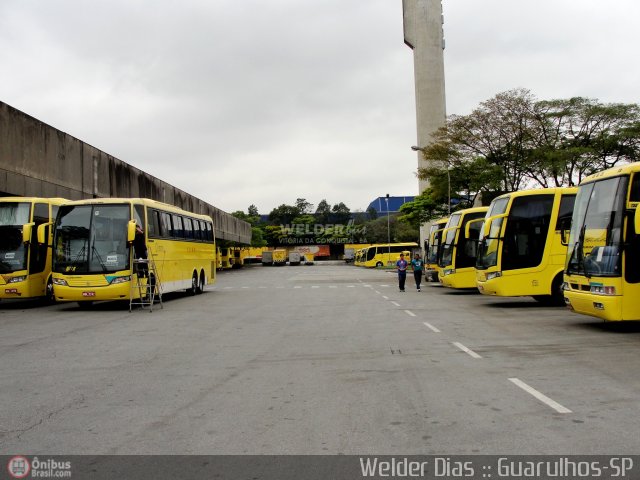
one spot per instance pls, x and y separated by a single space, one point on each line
423 33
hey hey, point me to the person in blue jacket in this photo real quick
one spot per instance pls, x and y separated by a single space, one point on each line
401 266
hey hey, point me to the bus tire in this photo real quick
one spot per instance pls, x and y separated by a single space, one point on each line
49 297
556 298
201 282
194 284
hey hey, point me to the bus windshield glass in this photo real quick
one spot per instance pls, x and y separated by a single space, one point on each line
435 236
488 247
596 231
13 253
446 258
91 239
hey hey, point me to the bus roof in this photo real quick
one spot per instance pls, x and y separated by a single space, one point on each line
537 191
53 200
139 201
618 170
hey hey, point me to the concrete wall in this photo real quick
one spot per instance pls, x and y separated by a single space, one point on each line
38 160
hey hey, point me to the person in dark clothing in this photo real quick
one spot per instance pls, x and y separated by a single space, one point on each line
417 265
140 252
401 266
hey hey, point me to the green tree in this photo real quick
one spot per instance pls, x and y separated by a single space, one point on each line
340 213
283 215
303 206
323 212
515 141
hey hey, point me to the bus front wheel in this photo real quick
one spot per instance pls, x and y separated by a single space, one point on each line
556 299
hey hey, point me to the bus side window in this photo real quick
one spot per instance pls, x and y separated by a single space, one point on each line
154 224
634 190
165 224
188 228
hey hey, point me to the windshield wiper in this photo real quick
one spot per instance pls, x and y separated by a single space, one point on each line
97 254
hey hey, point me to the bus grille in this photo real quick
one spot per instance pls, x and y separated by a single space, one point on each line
93 282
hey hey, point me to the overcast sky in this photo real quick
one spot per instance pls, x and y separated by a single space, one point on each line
260 102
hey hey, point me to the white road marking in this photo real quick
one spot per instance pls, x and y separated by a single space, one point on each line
385 297
396 304
315 286
540 396
297 286
410 313
466 350
350 286
431 327
377 292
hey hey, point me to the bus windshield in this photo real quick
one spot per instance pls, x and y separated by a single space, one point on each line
488 247
446 258
596 230
435 236
91 239
13 253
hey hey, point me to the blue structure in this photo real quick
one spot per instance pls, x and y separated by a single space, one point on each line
380 204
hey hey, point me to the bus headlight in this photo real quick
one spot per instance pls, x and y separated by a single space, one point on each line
492 275
117 280
448 271
603 290
20 278
60 281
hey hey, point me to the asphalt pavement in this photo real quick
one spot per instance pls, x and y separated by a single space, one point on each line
322 359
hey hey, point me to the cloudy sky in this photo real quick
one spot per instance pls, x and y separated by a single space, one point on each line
260 102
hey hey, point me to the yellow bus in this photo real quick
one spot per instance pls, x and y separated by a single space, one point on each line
521 251
25 264
385 254
432 248
226 258
359 256
457 257
602 277
93 251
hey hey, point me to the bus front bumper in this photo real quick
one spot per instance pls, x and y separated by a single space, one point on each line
15 285
90 292
606 307
461 278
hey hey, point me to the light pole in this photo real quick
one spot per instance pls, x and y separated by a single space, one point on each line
421 149
388 232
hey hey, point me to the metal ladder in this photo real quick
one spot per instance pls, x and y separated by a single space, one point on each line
146 290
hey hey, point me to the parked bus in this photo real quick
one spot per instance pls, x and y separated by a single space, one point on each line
457 258
25 265
602 277
432 248
385 254
92 248
359 257
523 246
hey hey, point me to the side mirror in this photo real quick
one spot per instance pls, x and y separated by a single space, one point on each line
26 232
42 230
467 228
131 231
488 223
564 226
